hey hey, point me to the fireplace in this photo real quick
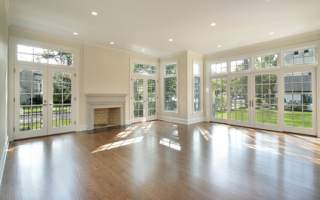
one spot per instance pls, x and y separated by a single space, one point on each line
105 110
106 117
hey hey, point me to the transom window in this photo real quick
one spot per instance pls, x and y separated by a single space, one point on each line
300 56
219 68
266 61
239 65
44 56
144 69
170 87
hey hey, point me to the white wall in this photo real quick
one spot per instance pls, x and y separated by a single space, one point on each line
3 82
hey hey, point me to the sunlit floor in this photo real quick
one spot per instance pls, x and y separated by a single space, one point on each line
161 160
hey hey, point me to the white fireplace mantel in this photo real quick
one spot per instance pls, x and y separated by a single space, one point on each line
105 100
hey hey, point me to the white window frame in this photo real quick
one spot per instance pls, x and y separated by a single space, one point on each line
164 75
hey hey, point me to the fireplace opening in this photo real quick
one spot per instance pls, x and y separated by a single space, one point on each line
106 117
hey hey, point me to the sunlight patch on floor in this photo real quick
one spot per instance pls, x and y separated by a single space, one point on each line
118 144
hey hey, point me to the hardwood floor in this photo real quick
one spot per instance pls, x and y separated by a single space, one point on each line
160 160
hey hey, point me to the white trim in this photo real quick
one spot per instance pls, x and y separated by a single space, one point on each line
3 157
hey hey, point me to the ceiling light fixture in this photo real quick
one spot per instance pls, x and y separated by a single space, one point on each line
170 40
94 13
111 43
219 45
213 24
75 33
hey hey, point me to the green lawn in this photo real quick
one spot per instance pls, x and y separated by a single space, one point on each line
295 119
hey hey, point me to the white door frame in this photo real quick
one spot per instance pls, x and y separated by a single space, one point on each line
145 77
14 66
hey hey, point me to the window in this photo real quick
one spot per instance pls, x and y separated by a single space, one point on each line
301 56
170 87
239 65
144 69
196 88
44 56
267 61
219 68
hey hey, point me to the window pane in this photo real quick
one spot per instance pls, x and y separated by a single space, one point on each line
300 56
298 100
197 94
196 69
239 65
144 69
266 61
42 55
219 68
170 96
219 96
171 69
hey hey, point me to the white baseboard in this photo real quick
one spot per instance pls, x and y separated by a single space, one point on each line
182 120
3 157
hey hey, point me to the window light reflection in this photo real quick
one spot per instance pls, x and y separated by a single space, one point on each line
170 143
118 144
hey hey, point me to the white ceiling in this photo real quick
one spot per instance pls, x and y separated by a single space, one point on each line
148 24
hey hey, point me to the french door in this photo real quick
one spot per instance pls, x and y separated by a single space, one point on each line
43 101
144 99
281 100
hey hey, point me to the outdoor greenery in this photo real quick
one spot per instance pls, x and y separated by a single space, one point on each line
295 119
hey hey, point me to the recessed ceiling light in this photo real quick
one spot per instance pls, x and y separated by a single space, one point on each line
75 33
94 13
213 24
219 45
111 43
170 40
271 33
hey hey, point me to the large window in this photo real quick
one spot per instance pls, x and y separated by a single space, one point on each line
300 56
196 88
44 56
170 87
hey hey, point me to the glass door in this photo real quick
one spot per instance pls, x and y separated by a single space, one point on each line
61 106
265 100
298 102
144 99
30 102
239 100
43 102
152 99
138 100
219 98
